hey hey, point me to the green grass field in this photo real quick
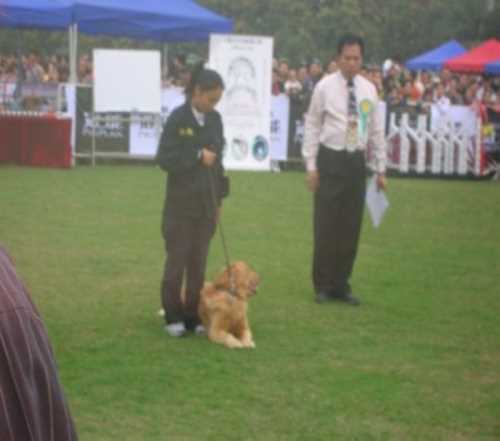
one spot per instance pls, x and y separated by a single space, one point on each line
419 360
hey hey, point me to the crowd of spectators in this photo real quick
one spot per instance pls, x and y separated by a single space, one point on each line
395 84
33 68
402 87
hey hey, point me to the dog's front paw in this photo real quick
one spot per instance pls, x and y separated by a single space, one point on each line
234 344
249 344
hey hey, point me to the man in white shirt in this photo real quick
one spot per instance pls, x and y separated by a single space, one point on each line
342 119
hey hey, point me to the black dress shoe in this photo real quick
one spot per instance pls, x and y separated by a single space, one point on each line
323 297
348 298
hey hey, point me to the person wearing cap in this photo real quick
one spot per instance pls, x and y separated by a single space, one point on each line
343 117
32 405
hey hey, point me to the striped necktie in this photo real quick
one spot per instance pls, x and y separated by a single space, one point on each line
352 108
352 118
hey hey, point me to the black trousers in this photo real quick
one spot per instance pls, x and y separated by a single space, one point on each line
187 243
338 213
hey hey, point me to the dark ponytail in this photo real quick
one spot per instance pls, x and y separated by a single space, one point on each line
204 79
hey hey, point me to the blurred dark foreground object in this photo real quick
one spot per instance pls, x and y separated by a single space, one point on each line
32 403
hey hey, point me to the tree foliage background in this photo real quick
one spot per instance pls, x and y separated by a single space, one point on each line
391 27
304 29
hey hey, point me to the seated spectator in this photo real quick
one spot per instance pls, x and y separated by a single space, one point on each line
33 70
440 99
490 95
178 65
315 71
276 85
332 67
374 75
393 97
417 89
283 69
183 78
471 94
452 92
302 74
427 99
418 85
425 80
63 69
292 85
51 73
85 69
407 97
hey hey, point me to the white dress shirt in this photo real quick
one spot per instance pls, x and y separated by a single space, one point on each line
327 118
199 116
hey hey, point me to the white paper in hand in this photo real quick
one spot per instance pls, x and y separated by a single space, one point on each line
377 202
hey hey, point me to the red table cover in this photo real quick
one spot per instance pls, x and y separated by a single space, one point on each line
41 141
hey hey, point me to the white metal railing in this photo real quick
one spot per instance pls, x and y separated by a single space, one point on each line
446 149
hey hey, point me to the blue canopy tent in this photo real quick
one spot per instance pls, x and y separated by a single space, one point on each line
45 14
159 20
493 68
435 58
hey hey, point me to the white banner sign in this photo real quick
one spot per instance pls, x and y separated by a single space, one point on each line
171 98
280 110
145 133
245 63
70 98
461 118
144 136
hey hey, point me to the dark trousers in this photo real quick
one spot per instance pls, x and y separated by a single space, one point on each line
186 242
338 212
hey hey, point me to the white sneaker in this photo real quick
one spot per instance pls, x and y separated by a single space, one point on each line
175 329
200 330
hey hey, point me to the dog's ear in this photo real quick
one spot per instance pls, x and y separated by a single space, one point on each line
208 288
222 279
243 282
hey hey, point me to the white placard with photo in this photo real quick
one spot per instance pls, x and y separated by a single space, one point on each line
245 64
280 110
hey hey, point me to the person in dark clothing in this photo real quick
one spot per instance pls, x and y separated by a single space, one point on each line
190 150
32 402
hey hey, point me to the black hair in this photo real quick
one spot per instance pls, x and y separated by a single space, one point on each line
204 79
350 40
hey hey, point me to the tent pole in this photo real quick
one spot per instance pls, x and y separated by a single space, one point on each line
70 51
73 49
165 61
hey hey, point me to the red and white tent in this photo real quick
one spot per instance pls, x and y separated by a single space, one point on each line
475 60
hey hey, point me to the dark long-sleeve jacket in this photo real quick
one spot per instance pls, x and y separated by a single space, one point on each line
193 190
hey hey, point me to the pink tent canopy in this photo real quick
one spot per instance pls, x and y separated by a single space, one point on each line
476 59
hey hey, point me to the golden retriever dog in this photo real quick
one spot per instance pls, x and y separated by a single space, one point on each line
223 306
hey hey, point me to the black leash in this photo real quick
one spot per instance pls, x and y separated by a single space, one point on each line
211 179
